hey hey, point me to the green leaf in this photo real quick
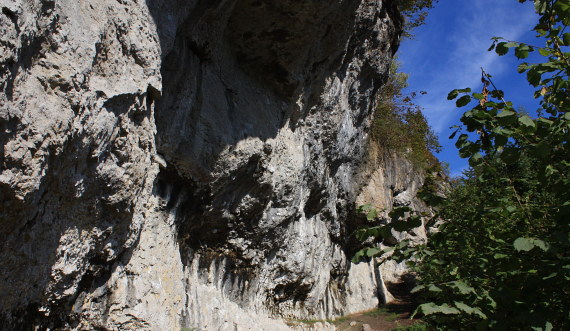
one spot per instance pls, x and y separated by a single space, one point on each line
550 170
453 94
501 140
433 288
497 94
478 96
523 244
468 309
476 159
533 77
364 208
552 275
522 51
415 221
463 101
431 308
462 287
371 252
401 226
506 113
527 121
454 271
453 134
501 48
372 214
542 149
541 244
384 232
544 51
358 256
523 67
548 326
566 39
545 121
540 6
417 289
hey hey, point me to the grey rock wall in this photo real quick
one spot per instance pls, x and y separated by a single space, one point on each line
185 164
395 181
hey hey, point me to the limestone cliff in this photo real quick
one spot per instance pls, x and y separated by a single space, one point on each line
173 164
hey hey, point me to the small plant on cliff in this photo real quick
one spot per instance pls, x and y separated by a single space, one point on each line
399 125
415 13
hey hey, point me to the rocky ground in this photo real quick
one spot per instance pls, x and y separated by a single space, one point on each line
376 320
394 316
382 319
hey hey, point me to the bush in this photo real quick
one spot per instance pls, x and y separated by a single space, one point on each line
399 125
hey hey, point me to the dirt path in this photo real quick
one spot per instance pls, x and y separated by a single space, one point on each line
376 320
392 316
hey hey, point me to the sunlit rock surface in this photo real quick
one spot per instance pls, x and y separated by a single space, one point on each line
186 164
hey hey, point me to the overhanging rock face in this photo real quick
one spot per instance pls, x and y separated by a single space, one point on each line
185 164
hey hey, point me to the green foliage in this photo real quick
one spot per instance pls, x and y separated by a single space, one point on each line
401 219
415 13
413 327
384 313
399 125
507 235
501 260
487 255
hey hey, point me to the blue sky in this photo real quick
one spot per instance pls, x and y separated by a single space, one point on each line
448 52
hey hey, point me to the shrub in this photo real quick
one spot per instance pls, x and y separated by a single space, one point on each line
399 125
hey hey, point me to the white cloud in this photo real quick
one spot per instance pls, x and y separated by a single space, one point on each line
450 54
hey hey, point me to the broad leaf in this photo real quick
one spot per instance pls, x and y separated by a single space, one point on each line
463 101
523 244
371 252
417 288
506 113
469 310
431 308
527 121
452 95
501 48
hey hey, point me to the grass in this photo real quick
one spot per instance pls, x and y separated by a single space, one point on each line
383 312
293 322
414 327
307 321
339 319
389 316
